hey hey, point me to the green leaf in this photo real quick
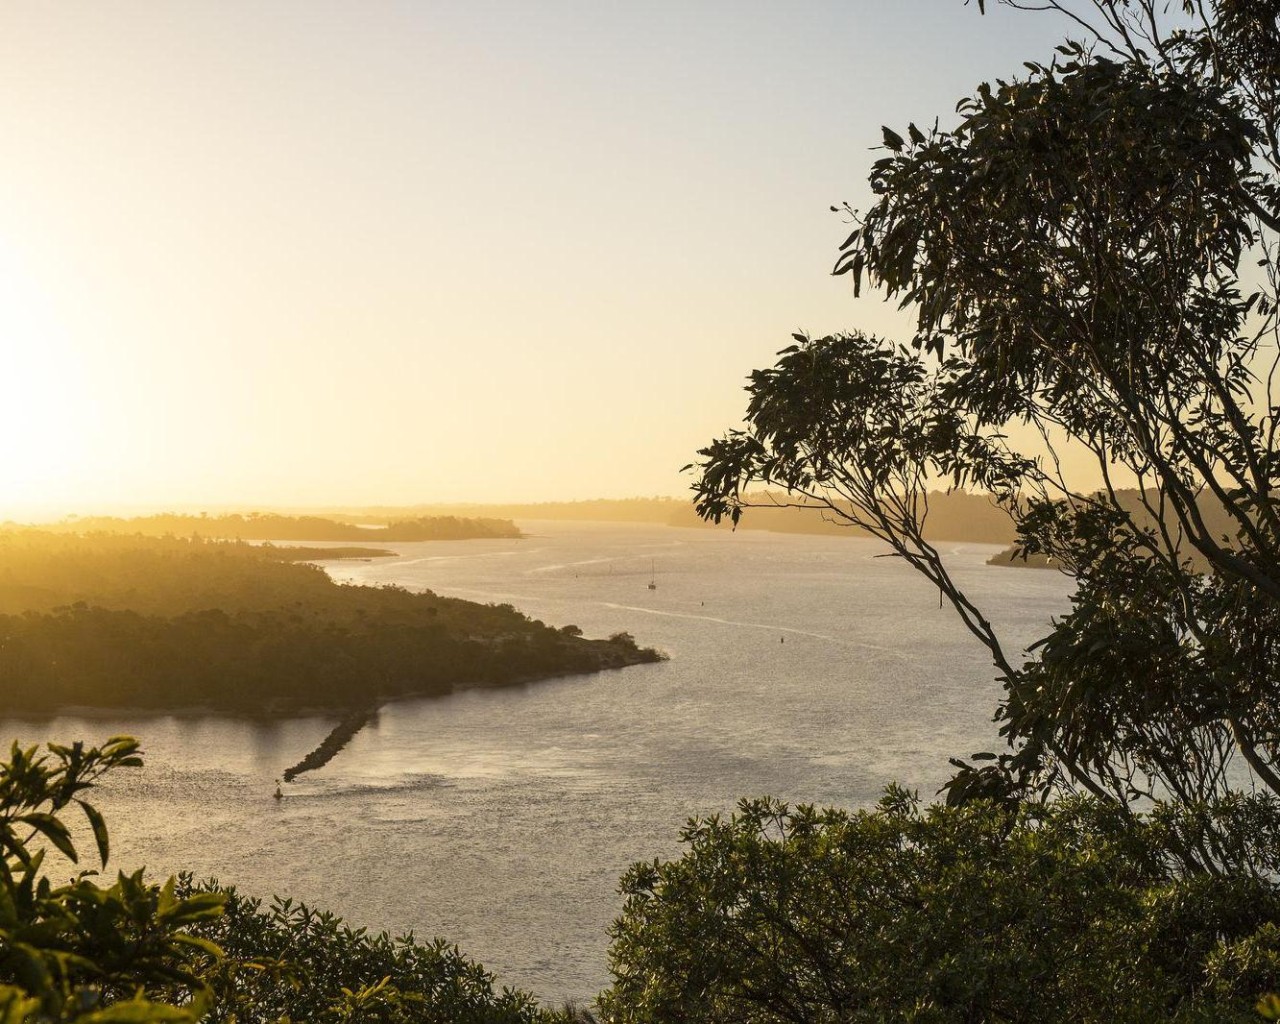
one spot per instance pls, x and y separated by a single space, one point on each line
99 826
53 830
199 907
140 1011
15 1006
204 945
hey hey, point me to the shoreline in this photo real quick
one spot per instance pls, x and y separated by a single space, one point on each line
336 740
97 712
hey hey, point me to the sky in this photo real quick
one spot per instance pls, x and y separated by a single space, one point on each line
314 253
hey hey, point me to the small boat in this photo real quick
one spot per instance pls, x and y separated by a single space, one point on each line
653 577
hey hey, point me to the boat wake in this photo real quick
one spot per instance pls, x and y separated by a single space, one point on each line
363 787
772 627
460 558
568 565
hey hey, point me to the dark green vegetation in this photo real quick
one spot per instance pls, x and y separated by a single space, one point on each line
133 951
1090 256
270 526
1065 912
119 621
1071 911
289 961
296 553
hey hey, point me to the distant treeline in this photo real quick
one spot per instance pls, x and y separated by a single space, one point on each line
1130 501
618 510
115 621
953 516
271 526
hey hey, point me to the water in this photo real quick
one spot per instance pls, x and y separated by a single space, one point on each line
807 668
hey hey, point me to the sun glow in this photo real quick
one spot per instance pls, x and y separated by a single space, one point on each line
48 433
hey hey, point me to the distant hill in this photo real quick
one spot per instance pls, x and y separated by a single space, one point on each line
615 510
954 516
1215 518
274 526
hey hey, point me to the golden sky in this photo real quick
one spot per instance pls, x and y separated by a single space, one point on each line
311 252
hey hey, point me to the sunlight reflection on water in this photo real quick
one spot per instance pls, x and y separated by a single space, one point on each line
501 819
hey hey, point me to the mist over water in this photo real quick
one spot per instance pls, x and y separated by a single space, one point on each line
808 668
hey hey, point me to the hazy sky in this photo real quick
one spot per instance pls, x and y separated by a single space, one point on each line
313 252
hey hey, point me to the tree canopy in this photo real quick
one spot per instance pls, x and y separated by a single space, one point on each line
945 915
1089 255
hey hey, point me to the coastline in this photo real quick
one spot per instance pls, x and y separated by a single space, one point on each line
642 656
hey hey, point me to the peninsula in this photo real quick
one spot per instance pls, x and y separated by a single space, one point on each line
173 624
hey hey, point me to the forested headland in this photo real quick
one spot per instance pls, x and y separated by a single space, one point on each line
275 526
170 623
602 510
958 515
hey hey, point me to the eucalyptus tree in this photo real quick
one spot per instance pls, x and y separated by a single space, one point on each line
1090 258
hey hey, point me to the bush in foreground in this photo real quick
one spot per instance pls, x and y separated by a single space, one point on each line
1074 911
287 961
137 952
1066 912
81 951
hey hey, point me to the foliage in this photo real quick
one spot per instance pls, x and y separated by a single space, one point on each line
1090 256
289 961
82 951
1070 911
171 623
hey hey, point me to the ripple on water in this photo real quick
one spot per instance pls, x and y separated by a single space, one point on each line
501 819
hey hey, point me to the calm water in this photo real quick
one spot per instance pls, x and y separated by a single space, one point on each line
502 819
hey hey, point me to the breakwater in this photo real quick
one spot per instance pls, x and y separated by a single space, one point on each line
329 747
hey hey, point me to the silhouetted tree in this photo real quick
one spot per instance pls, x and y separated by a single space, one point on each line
1090 255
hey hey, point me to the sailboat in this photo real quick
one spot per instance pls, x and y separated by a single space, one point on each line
653 576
